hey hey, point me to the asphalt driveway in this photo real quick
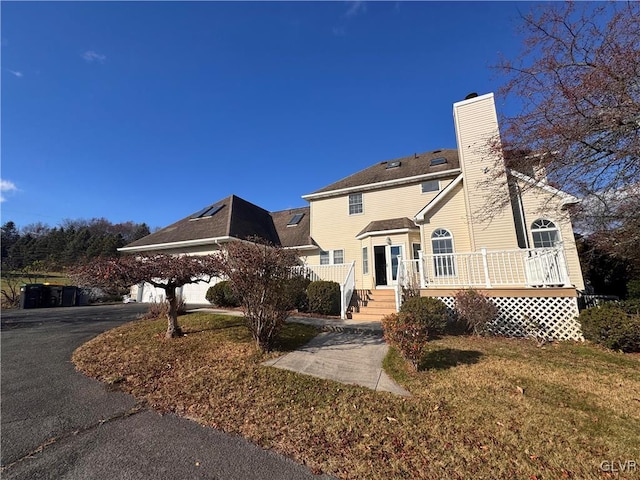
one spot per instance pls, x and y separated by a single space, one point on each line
57 423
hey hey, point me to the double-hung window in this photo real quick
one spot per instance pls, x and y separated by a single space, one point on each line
332 257
355 204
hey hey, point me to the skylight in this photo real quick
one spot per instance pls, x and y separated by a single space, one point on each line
438 161
207 211
295 220
394 164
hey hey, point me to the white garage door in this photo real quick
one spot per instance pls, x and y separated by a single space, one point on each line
195 293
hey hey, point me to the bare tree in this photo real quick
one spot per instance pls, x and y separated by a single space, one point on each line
258 274
168 272
577 81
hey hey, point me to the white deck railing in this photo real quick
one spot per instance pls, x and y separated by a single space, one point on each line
343 274
531 267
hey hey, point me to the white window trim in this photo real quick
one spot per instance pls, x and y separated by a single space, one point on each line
454 265
332 259
545 229
361 212
430 191
365 260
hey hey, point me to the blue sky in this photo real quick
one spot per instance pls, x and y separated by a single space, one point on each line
149 111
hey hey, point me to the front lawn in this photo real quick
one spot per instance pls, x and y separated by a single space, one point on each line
483 408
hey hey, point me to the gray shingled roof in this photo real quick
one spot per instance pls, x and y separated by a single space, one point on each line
293 236
411 166
237 218
390 224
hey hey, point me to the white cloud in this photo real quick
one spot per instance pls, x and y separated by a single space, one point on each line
6 186
15 73
356 8
91 56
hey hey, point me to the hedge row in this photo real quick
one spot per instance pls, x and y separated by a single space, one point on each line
304 295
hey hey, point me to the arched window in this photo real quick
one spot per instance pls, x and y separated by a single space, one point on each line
442 246
545 233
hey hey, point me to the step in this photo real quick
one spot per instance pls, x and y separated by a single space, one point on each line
382 293
379 306
367 317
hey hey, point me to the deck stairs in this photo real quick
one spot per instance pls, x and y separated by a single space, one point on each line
374 304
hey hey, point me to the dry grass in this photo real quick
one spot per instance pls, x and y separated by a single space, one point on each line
483 408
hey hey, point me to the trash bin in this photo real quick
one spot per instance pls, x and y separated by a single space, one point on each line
31 295
69 296
52 296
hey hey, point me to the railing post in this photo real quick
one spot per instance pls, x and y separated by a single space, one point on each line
400 278
562 261
422 270
485 265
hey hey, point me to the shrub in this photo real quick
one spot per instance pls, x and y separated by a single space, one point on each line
613 325
408 334
475 309
324 297
221 295
633 289
296 292
430 312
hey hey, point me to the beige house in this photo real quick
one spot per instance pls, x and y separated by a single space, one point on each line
436 221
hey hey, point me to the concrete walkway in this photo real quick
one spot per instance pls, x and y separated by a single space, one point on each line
351 358
347 351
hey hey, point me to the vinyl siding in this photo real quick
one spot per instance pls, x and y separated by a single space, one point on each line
451 215
538 203
476 122
333 228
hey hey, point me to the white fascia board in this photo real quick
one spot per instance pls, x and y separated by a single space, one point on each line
388 183
419 217
183 243
567 199
378 233
302 247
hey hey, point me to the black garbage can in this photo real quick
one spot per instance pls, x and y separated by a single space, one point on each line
31 295
52 295
69 296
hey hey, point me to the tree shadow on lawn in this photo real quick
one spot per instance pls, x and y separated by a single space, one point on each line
233 329
448 358
228 323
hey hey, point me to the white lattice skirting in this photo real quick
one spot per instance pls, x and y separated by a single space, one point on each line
551 318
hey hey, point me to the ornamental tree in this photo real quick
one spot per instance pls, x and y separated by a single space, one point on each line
168 272
258 274
577 84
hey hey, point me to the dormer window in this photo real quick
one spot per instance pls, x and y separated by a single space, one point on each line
295 220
